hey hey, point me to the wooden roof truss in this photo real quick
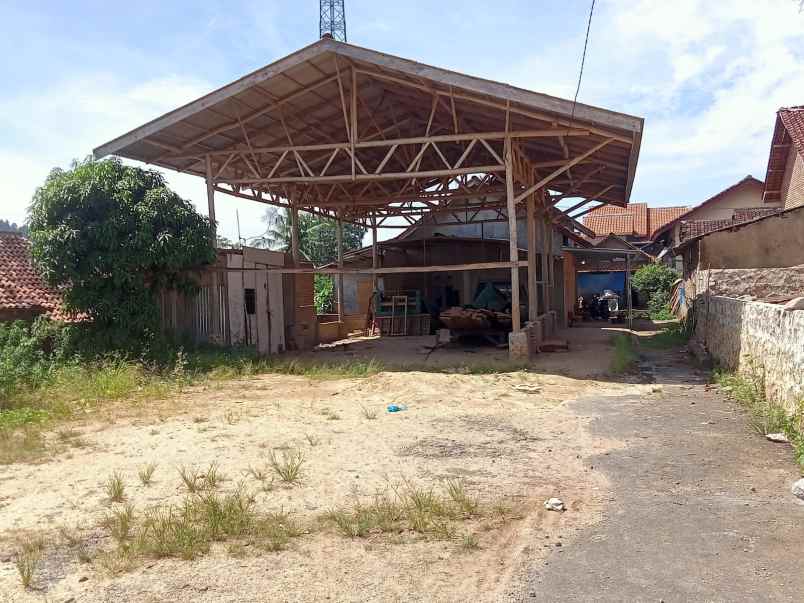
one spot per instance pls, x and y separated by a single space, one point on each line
354 134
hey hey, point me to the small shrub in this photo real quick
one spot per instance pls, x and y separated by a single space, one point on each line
115 488
369 413
312 439
146 473
289 467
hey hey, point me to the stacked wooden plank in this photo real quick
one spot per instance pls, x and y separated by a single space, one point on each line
474 319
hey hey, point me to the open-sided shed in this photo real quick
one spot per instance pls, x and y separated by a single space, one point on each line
361 136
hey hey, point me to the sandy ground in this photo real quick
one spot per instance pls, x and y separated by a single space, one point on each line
509 445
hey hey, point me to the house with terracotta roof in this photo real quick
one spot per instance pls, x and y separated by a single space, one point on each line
655 228
784 180
24 295
738 203
636 223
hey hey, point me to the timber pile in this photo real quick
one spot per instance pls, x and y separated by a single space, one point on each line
474 319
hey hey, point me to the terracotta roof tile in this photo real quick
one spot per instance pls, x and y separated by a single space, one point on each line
696 228
635 219
662 216
21 287
622 224
788 132
793 120
750 213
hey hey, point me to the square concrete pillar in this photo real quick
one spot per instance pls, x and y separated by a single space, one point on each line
518 346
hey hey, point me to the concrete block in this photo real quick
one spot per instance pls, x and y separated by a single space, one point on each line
518 346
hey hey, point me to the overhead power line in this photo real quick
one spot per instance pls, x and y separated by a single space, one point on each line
583 59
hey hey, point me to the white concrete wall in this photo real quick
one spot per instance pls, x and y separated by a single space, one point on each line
265 328
745 196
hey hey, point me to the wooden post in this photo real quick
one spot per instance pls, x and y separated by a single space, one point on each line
214 305
533 296
545 266
211 200
374 258
294 235
627 292
516 323
353 137
339 277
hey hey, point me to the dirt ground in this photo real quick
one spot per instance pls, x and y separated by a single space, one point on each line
515 446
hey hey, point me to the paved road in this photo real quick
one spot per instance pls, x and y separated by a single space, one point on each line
701 507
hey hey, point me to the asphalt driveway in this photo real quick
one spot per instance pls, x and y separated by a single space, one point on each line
701 507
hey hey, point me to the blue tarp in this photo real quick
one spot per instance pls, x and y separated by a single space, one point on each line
590 283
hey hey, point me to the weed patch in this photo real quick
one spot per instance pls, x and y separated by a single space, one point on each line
407 508
673 336
625 356
765 415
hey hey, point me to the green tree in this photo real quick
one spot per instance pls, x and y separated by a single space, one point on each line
318 242
317 235
654 283
6 226
110 235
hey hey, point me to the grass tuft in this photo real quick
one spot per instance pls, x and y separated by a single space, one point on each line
115 488
213 476
456 490
369 413
470 542
192 479
289 466
27 561
120 523
146 473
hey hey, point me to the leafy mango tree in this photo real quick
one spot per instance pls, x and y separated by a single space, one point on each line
110 235
654 283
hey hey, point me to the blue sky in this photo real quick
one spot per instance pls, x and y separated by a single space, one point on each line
706 76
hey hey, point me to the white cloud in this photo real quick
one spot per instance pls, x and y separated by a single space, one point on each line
707 76
68 119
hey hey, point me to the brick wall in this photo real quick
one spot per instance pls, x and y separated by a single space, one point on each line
793 184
